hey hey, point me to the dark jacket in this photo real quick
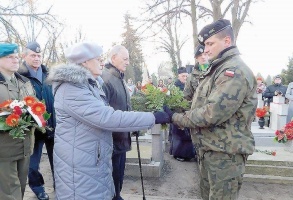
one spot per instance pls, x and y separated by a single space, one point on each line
15 149
270 91
118 97
43 92
179 84
181 143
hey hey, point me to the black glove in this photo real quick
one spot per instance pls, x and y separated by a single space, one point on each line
161 117
168 111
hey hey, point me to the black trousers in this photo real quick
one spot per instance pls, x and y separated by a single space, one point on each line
118 162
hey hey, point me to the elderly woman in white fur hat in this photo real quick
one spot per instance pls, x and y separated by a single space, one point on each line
83 139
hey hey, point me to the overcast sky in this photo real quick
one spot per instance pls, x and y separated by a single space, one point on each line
266 44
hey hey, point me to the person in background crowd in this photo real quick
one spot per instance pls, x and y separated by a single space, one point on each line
181 146
276 89
118 97
137 88
83 136
37 73
289 96
261 87
161 84
14 153
130 86
201 60
170 83
150 81
221 114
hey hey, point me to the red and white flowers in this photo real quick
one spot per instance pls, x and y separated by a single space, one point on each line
19 116
285 133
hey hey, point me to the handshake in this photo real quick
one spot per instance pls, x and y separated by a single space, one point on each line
163 117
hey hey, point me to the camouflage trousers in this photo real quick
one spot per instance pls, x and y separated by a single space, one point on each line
221 175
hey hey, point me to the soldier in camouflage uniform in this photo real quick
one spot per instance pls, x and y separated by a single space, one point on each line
201 60
222 110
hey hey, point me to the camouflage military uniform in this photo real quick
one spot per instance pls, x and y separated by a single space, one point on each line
192 83
220 119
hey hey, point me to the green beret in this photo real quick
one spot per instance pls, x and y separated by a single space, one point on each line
198 50
7 48
212 29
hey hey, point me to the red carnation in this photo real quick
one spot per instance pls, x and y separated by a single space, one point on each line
17 110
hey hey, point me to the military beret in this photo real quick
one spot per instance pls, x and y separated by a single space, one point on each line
212 29
82 52
198 50
182 70
7 48
34 46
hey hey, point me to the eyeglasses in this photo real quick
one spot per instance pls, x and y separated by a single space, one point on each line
12 57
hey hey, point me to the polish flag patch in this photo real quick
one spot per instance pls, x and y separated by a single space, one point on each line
229 73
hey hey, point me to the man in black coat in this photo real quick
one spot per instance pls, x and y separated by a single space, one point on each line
276 89
37 73
118 97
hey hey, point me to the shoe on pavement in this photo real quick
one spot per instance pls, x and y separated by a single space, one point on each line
43 196
180 159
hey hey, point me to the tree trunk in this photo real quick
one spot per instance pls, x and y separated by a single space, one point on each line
194 23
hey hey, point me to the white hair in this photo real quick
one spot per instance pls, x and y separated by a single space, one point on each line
114 51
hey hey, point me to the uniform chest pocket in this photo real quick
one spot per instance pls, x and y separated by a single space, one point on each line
194 83
203 91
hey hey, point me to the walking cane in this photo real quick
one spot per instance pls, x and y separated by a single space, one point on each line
139 162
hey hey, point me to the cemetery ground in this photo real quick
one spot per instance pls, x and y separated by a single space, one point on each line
179 180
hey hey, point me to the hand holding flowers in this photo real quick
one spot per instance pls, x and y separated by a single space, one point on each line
153 99
19 116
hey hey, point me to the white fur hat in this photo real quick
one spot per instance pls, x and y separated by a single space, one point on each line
81 52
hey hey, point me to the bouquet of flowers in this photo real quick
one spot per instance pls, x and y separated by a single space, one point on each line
152 98
285 133
261 112
18 116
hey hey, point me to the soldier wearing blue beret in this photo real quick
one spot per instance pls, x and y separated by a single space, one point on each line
221 113
14 153
36 72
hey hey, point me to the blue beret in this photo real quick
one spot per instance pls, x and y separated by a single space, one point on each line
198 50
7 48
212 29
182 70
34 46
82 52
